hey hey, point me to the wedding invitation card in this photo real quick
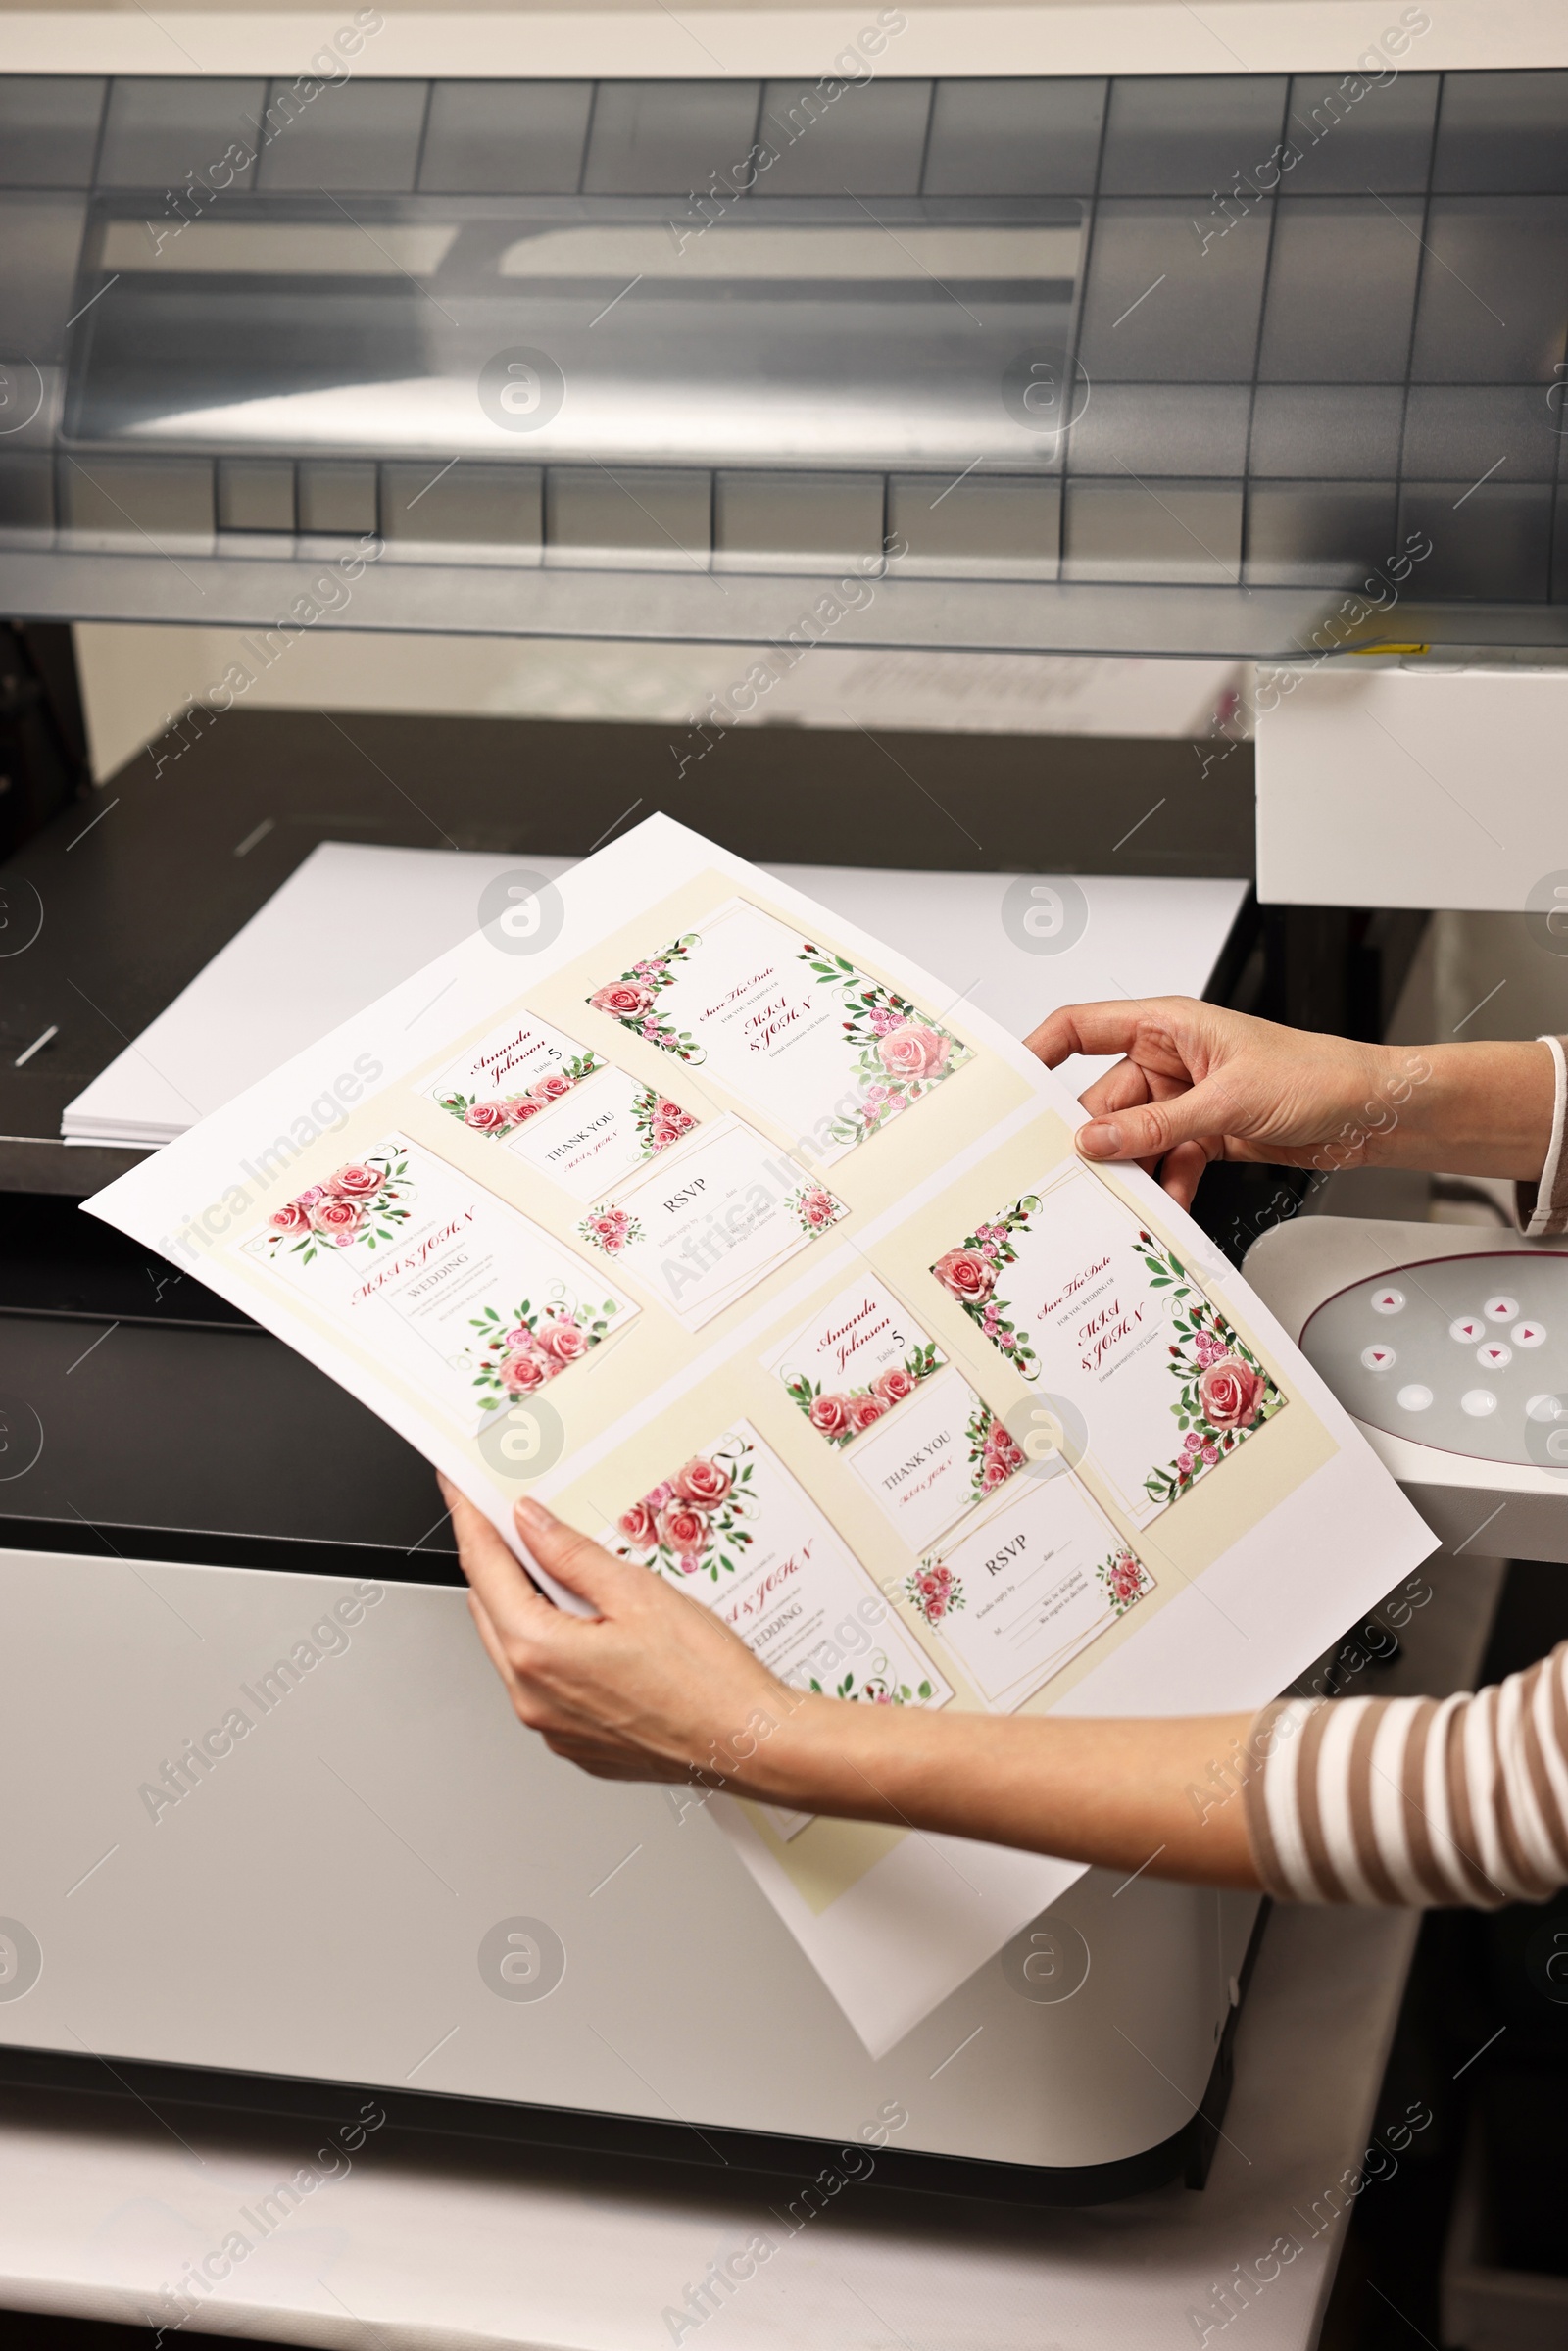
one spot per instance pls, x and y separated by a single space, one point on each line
465 1297
735 1530
723 1230
787 1025
1075 1294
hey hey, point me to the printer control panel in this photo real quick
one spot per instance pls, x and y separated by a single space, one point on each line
1468 1354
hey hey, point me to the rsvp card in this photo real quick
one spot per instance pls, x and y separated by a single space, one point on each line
1020 1589
714 1219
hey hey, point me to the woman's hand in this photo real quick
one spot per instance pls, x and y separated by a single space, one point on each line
653 1687
1199 1083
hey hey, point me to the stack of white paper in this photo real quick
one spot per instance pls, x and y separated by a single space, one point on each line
354 920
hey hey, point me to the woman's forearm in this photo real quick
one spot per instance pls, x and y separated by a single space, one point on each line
1482 1109
1125 1795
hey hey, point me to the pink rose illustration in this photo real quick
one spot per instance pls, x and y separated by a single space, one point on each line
550 1087
337 1219
521 1107
863 1410
830 1415
637 1525
623 1000
290 1218
895 1385
563 1339
521 1335
671 1114
912 1052
309 1199
1126 1578
818 1208
884 1020
661 1493
521 1374
357 1181
704 1482
487 1118
966 1274
683 1529
1003 1451
662 1136
1230 1393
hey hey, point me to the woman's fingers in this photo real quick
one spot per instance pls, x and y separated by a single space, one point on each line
1148 1130
1180 1171
1104 1028
575 1560
491 1570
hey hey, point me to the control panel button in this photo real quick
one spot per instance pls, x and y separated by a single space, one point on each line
1478 1402
1415 1397
1387 1301
1545 1408
1528 1334
1467 1329
1378 1359
1501 1308
1496 1355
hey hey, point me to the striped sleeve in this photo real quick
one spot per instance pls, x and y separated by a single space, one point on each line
1541 1210
1415 1802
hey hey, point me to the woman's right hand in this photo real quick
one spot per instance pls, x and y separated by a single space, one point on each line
1197 1083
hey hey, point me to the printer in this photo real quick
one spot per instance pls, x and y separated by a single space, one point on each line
1160 365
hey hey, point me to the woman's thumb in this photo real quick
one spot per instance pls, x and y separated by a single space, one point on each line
1148 1130
573 1559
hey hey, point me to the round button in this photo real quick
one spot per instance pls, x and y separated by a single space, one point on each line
1496 1355
1388 1301
1501 1308
1415 1398
1544 1407
1378 1359
1478 1402
1467 1330
1530 1334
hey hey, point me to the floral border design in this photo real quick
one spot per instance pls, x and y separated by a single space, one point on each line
814 1209
500 1115
1125 1579
844 1412
901 1053
611 1230
1225 1391
968 1274
633 1000
359 1203
875 1689
994 1453
695 1522
659 1121
519 1354
935 1591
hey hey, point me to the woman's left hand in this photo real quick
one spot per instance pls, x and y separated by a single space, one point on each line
651 1687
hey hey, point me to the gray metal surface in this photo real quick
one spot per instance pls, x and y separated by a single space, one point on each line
1216 338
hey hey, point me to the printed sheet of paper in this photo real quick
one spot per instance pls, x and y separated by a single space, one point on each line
704 1216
